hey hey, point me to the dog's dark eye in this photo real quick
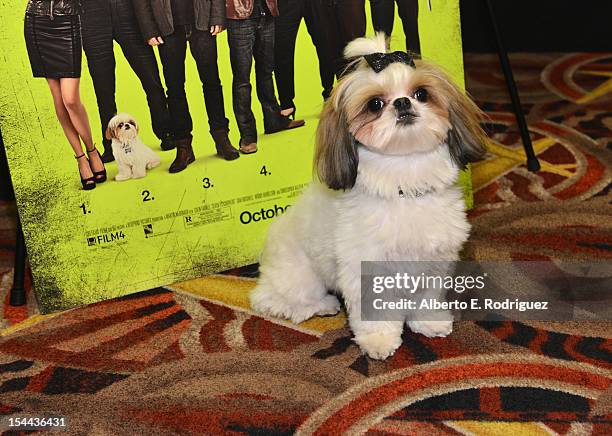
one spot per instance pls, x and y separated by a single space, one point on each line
132 122
120 125
376 104
421 95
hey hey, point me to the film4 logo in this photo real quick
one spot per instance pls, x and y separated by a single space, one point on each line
106 238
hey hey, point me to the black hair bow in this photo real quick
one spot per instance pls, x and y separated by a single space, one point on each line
380 61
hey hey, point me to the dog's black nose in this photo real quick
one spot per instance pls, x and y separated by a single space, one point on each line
402 104
127 127
404 113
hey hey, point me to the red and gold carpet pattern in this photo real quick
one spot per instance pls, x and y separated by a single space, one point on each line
193 359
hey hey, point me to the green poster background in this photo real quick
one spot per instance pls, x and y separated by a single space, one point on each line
89 246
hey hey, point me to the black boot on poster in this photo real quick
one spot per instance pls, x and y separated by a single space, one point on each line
107 156
167 142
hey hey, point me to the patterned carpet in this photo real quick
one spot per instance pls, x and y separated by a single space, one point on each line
192 359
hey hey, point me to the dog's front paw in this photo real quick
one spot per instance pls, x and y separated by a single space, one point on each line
121 177
432 328
378 345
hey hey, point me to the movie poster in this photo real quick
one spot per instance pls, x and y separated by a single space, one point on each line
139 233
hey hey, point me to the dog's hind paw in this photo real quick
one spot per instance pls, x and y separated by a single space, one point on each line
279 306
328 306
432 328
379 345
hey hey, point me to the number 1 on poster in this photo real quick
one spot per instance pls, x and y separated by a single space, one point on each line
83 207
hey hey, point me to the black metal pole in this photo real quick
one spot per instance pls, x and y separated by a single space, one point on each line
18 294
532 161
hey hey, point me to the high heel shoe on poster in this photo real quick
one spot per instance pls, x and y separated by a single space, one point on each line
89 183
290 114
99 176
285 123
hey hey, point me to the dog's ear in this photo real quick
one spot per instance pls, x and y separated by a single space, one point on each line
110 133
336 157
466 139
110 129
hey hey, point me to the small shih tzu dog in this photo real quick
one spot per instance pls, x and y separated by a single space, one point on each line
391 141
133 157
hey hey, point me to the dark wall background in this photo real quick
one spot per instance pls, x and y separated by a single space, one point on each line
539 25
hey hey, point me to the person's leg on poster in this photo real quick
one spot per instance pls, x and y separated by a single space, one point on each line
263 52
341 22
241 39
73 118
203 46
286 29
312 18
141 58
329 43
408 11
351 20
54 47
172 53
251 36
383 14
97 36
71 134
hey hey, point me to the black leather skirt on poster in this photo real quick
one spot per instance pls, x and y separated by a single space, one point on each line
54 45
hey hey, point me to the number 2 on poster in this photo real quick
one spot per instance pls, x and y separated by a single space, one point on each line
146 196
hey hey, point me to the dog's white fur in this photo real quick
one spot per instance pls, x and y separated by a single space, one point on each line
319 243
133 157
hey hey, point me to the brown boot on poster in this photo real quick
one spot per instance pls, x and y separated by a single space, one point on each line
184 155
224 147
248 147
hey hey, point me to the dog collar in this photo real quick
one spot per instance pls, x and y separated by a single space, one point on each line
414 193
